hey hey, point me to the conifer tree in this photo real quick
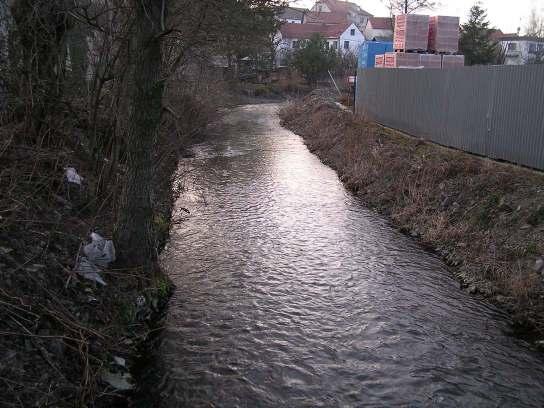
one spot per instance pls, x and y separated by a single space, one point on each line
476 43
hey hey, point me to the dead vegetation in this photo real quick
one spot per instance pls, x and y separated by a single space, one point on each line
60 332
483 217
113 90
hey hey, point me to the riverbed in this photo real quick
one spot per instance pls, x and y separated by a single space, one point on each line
290 293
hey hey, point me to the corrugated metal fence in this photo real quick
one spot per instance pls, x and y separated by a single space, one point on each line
493 111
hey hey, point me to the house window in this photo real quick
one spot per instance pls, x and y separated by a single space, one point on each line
532 48
346 45
296 44
512 46
335 45
353 32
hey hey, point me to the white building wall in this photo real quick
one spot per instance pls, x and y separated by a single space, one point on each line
370 33
355 41
321 7
287 20
519 52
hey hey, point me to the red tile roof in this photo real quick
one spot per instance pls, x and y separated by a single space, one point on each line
498 35
338 6
326 18
305 31
495 35
381 23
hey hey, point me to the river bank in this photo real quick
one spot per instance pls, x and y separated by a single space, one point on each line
483 217
66 338
70 337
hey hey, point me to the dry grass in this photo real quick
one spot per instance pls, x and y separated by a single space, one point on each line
484 217
58 331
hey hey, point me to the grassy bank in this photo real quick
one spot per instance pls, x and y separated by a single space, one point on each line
61 334
485 218
66 340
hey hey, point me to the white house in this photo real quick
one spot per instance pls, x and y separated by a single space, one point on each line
351 39
337 11
346 38
522 50
294 15
379 29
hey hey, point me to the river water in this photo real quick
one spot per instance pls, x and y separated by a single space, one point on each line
290 293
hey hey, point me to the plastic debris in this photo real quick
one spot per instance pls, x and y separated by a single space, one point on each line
118 381
100 251
140 301
120 361
539 265
72 176
89 270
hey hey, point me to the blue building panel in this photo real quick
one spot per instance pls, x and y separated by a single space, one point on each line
370 49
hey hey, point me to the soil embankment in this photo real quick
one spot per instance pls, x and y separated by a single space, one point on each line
67 340
483 217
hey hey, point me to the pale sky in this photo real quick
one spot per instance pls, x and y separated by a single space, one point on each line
507 15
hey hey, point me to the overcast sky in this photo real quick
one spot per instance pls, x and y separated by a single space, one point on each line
507 15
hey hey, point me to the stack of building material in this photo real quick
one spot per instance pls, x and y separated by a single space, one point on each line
402 60
369 50
379 61
444 34
430 61
411 32
453 61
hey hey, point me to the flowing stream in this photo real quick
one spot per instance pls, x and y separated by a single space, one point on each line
290 293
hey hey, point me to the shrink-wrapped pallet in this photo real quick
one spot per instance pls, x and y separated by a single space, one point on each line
430 61
453 61
411 32
444 34
402 60
379 61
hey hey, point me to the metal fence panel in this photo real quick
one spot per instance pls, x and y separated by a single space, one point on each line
494 111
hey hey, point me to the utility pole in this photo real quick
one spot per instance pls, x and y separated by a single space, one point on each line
405 6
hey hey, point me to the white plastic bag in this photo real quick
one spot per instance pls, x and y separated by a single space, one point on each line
72 176
100 251
89 270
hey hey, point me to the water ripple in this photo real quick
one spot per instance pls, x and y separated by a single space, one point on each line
291 294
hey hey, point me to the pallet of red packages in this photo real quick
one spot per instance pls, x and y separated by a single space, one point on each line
379 61
444 34
411 32
430 61
453 61
402 60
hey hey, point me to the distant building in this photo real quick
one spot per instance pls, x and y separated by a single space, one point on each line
293 15
379 29
337 12
521 50
346 38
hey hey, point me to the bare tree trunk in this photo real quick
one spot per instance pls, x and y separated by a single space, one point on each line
41 26
135 234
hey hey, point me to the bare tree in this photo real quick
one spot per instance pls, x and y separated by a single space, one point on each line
409 6
535 26
41 26
135 230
